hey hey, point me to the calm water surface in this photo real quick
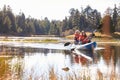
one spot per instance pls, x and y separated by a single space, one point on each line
34 63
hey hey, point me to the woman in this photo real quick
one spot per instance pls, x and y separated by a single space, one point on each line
76 37
88 38
82 37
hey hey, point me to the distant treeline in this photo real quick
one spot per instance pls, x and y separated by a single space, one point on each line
87 19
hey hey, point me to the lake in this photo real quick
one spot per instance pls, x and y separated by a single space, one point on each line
28 61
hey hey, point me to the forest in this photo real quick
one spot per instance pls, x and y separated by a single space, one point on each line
87 19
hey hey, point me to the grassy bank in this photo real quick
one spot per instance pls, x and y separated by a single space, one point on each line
101 37
29 39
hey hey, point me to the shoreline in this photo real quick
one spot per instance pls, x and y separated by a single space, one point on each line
53 40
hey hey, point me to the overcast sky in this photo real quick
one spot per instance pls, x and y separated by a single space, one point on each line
55 9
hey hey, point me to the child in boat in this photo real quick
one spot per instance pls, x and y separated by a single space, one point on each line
82 36
88 38
76 37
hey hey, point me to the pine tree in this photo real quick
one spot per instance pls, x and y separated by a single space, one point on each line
115 16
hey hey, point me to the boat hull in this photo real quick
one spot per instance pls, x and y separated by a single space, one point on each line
87 46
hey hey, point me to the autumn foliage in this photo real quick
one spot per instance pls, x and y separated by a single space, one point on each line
106 25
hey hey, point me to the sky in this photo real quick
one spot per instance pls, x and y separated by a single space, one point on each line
55 9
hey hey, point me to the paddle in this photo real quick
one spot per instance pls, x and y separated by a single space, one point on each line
99 27
67 43
83 55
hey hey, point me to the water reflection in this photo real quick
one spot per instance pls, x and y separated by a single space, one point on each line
81 60
48 64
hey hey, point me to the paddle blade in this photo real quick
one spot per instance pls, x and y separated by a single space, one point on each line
67 43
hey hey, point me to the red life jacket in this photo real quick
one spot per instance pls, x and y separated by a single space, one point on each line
86 40
82 37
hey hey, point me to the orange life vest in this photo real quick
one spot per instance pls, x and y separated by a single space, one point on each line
82 37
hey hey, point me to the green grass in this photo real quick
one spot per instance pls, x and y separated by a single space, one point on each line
49 40
31 40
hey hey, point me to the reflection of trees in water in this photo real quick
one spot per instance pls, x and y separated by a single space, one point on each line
117 53
111 56
7 50
111 53
107 54
117 58
10 70
68 53
4 68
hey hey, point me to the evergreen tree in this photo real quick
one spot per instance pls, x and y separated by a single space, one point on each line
7 25
52 29
46 25
76 20
64 25
13 21
115 16
87 20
